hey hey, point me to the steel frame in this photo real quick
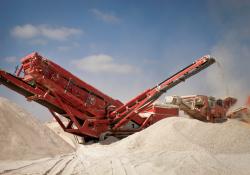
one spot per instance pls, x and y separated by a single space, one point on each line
89 111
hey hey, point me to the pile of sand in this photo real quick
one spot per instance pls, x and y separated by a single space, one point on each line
182 134
57 129
175 146
24 137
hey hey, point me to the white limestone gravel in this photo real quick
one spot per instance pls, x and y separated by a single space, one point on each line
23 137
173 146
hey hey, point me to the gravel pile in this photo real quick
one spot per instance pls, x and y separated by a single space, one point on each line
173 146
182 134
23 137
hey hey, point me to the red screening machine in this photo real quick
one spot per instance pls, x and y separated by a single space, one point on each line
89 112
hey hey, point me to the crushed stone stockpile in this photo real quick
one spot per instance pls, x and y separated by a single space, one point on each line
175 146
69 138
24 137
182 134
